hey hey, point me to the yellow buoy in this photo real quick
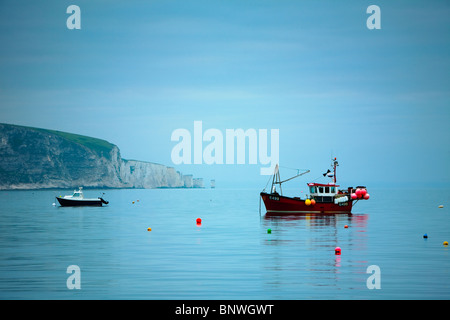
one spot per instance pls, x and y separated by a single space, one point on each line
441 206
132 202
149 229
445 243
307 202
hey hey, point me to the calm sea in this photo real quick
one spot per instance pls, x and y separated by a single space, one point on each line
230 255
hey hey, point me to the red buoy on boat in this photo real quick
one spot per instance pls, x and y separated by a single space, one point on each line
366 196
354 196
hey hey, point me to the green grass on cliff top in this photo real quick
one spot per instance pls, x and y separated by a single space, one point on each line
97 145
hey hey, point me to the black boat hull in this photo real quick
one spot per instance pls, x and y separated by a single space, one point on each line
81 203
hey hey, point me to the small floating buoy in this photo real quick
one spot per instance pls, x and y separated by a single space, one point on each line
346 226
337 250
199 221
425 236
441 206
445 243
53 204
149 229
132 202
269 230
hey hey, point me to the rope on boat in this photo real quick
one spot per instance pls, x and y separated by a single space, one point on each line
270 178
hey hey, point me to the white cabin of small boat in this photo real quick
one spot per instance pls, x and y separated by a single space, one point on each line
78 194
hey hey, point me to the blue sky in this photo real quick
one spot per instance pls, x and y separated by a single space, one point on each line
378 100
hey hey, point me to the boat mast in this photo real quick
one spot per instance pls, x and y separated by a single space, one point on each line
276 179
335 164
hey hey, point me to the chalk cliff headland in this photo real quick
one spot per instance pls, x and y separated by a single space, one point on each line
34 158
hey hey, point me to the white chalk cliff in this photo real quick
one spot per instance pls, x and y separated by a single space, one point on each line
33 158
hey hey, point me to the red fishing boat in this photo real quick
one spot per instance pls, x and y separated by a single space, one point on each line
322 199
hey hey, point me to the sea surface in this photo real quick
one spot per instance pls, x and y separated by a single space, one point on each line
230 255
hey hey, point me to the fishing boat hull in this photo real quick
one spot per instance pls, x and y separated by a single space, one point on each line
281 205
64 202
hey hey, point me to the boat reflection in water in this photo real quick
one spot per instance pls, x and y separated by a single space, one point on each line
301 254
318 220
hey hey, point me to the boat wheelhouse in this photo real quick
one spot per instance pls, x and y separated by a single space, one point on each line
322 192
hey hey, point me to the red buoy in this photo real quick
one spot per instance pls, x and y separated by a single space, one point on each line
199 221
366 196
354 196
337 250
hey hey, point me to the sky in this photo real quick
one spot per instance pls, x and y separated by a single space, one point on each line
136 71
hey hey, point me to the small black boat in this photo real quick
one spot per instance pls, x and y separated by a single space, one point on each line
77 199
